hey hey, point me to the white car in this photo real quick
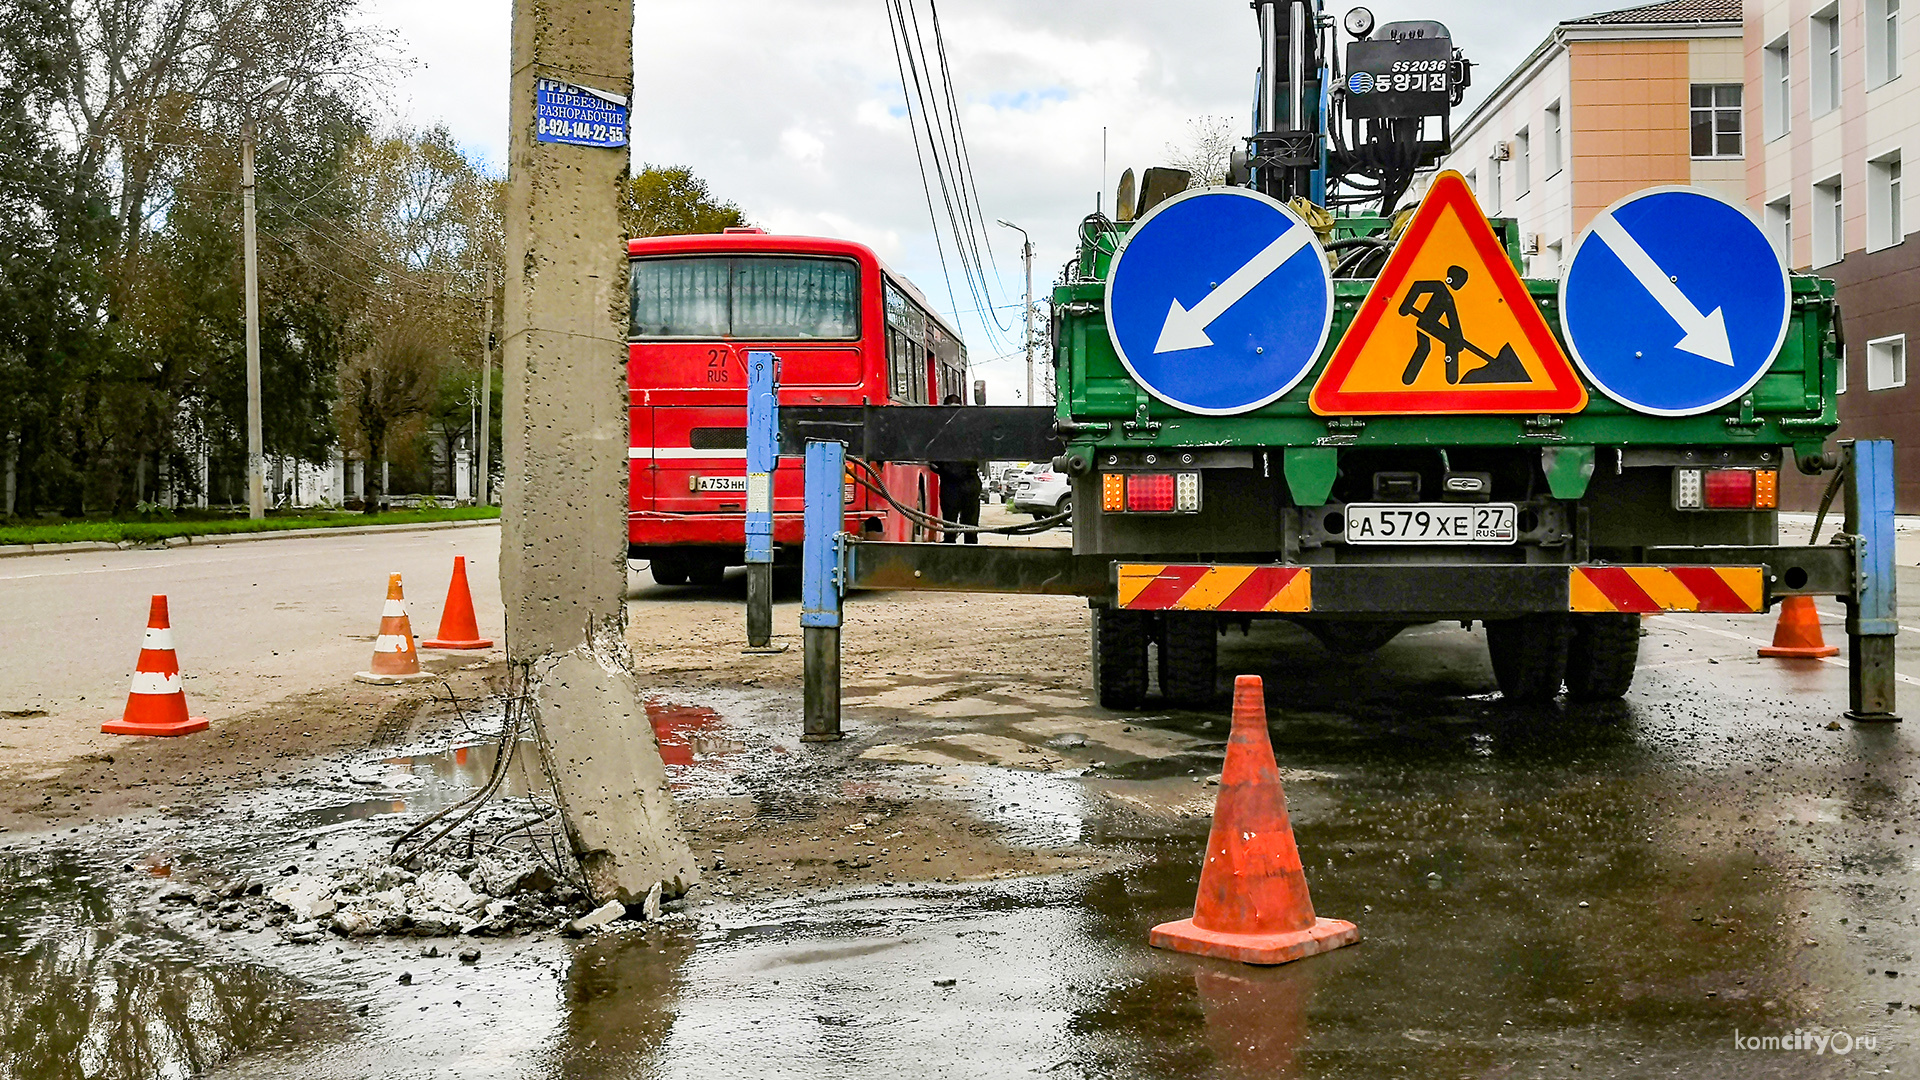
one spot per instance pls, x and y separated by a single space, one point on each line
1041 491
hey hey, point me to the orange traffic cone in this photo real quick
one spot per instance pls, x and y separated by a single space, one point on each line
1798 632
458 630
157 705
394 657
1253 905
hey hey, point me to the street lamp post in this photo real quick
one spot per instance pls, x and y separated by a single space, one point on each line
256 446
1026 257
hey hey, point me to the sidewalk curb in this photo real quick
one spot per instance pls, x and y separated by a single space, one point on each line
8 551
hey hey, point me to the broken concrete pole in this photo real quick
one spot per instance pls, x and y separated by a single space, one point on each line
605 915
563 537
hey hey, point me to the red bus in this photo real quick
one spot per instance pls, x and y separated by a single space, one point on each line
848 331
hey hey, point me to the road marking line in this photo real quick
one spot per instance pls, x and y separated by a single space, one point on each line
1836 661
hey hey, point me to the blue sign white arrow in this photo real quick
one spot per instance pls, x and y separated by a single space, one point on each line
1219 301
1674 302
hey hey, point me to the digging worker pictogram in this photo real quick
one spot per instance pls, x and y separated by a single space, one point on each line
1431 303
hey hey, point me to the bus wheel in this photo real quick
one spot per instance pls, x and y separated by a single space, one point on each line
669 570
1189 658
1529 656
1602 655
1120 657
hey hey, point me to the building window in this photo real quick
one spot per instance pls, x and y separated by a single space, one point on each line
1825 60
1473 182
1884 228
1780 228
1840 373
1493 185
1553 260
1883 41
1829 223
1887 362
1774 74
1522 163
1553 135
1716 121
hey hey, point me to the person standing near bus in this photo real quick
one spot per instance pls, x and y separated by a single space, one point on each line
959 491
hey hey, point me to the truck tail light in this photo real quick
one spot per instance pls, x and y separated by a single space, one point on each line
1726 489
1186 492
1150 493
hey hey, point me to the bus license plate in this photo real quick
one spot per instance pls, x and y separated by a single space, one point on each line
1431 523
720 483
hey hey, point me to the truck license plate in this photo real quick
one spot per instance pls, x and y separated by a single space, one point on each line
720 483
1431 523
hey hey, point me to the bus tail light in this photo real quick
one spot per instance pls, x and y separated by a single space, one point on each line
1726 489
1150 493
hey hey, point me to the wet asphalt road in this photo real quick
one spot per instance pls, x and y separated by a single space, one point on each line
1610 891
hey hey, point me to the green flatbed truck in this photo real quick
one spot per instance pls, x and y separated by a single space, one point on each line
1556 526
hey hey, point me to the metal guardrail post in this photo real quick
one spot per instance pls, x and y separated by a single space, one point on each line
763 433
1873 616
822 583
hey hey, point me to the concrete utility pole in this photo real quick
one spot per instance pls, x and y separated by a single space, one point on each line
1026 257
483 494
563 543
256 445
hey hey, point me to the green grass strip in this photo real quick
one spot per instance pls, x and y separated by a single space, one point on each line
117 532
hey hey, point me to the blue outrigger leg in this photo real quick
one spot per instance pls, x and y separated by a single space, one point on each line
822 583
763 442
1873 614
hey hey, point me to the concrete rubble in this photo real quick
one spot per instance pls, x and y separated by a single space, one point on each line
487 896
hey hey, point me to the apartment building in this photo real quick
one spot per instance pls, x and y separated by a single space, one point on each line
1833 93
1605 106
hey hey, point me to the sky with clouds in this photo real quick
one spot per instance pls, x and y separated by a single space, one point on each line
793 108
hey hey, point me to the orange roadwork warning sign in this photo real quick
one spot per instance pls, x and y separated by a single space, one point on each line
1448 327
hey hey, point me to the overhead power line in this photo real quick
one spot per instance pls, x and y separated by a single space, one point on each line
933 117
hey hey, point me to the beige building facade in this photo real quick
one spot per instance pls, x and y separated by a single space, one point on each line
1833 89
1605 106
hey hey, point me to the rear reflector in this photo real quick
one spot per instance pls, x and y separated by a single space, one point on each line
1766 490
1150 492
1113 492
1729 489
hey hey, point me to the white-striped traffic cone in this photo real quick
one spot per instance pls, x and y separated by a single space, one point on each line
394 657
157 705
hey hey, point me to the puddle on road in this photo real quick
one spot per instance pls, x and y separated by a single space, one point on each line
88 991
688 733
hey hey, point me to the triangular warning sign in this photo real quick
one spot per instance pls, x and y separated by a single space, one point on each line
1448 327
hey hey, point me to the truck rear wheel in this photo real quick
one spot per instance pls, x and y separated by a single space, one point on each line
707 572
1529 656
1120 657
1189 658
1601 656
668 570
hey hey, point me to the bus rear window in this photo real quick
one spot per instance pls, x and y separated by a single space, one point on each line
755 296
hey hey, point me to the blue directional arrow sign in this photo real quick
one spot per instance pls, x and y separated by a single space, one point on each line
1219 301
1674 302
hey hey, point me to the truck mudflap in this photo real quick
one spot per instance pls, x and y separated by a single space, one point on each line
1439 591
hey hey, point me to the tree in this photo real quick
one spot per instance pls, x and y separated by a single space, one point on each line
668 200
1208 151
387 386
